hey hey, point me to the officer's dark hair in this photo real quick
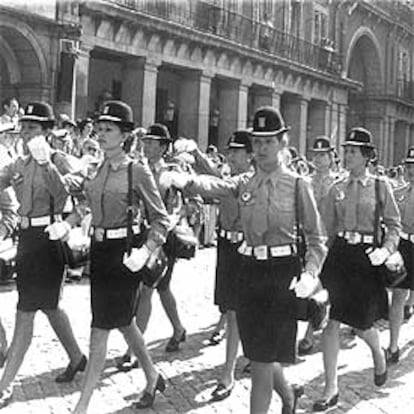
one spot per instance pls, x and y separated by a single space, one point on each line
369 153
8 101
46 125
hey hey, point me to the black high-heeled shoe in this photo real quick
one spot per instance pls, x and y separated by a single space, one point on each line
69 373
297 391
381 379
147 399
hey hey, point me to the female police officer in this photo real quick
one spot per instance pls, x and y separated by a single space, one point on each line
40 266
114 280
270 270
350 273
404 197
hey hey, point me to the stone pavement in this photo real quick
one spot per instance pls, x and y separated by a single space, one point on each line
192 372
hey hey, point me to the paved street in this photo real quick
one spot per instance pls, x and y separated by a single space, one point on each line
192 372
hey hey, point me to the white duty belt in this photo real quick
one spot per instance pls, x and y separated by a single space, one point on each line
267 252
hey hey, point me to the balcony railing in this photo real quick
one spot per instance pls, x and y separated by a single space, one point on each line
207 17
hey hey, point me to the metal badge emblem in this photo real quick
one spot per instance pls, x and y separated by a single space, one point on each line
246 197
262 121
99 234
106 110
340 196
29 109
24 222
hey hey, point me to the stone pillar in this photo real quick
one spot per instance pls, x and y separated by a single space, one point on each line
233 110
341 131
333 126
391 137
295 112
276 95
147 93
81 82
194 107
319 119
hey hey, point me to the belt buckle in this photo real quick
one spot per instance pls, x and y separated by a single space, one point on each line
260 252
99 234
353 238
24 222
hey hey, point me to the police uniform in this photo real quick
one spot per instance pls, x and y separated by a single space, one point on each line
321 183
159 132
405 200
113 285
229 237
40 265
356 290
266 310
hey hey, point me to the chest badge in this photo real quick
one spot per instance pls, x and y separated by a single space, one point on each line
400 198
340 196
246 197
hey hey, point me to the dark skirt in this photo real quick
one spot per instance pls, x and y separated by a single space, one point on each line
358 296
227 275
113 286
266 310
40 270
406 248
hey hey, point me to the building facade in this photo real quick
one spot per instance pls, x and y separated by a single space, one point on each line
203 67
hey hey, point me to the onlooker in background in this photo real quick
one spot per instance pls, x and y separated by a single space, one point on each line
10 112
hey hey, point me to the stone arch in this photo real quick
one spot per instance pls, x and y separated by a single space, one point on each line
364 60
28 54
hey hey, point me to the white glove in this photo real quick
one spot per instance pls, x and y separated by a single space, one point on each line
306 285
184 145
378 255
40 149
137 259
173 178
59 230
395 261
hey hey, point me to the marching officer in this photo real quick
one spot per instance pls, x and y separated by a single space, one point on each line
350 273
321 180
405 200
271 276
37 179
115 274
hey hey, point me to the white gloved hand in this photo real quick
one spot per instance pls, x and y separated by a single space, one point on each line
378 255
137 259
40 149
395 261
185 145
305 286
173 178
59 230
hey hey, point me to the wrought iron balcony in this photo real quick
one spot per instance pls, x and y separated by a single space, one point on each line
207 17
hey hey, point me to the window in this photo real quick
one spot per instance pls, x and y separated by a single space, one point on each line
320 25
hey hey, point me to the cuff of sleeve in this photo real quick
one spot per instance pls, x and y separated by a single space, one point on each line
312 269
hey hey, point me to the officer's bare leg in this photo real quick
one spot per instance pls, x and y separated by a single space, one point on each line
396 316
97 354
170 306
232 346
281 386
410 300
372 338
60 323
134 338
22 336
144 307
262 386
330 349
